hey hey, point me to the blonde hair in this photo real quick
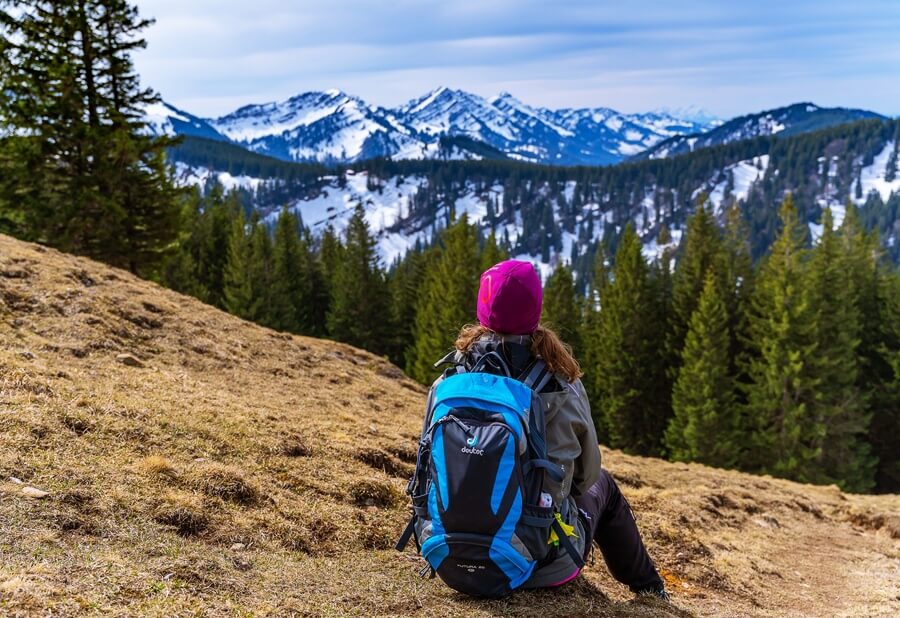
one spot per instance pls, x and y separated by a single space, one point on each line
545 344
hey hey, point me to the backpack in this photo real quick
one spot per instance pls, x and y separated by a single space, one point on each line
479 517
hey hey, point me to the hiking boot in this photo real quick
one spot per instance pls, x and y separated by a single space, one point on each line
658 592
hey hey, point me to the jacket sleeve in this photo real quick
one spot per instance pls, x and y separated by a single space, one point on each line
571 441
587 466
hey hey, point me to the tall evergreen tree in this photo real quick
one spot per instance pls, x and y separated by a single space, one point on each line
885 429
660 312
84 174
446 300
561 309
786 434
198 266
877 303
211 243
492 253
330 256
133 168
405 285
703 427
590 338
237 289
845 455
739 279
260 273
703 252
627 371
290 282
360 305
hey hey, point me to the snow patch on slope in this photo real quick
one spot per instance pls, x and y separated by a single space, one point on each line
743 174
873 176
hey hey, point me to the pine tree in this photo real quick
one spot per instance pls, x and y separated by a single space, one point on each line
739 280
492 253
590 338
261 272
214 229
330 256
561 309
660 312
703 251
78 164
360 306
133 168
197 267
316 290
237 282
446 299
179 270
405 283
845 455
878 306
289 303
703 426
627 367
785 435
884 433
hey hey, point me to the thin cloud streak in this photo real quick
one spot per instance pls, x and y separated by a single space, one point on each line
730 58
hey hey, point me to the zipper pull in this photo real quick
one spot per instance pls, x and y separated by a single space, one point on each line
464 427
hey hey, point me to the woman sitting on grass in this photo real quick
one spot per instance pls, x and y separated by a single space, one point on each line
588 499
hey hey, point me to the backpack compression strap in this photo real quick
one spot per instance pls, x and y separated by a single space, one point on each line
567 544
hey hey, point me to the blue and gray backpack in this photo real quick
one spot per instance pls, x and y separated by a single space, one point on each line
479 519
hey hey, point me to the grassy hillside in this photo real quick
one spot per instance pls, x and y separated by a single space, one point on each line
196 464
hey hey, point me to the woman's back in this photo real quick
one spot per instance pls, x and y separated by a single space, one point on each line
570 435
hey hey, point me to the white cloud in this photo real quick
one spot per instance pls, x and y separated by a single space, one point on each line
729 57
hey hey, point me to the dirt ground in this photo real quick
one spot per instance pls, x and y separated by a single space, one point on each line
161 458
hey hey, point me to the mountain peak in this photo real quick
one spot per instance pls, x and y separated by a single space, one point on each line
333 126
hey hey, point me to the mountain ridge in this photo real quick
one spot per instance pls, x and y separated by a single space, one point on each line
334 127
785 121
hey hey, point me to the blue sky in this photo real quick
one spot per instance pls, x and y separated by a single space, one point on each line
212 56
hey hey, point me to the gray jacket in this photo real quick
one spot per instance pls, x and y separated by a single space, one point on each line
571 444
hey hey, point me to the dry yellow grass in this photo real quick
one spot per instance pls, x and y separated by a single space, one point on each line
238 471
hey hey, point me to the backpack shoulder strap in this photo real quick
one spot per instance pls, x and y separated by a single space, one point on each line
536 376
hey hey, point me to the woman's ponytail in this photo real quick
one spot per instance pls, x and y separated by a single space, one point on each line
545 344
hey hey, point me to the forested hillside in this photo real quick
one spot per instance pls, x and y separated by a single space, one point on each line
552 213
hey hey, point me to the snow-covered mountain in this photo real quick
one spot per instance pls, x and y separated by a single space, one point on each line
165 119
784 121
334 127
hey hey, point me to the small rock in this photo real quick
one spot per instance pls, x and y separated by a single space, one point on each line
34 492
766 521
18 322
373 429
238 547
130 360
27 354
15 480
15 273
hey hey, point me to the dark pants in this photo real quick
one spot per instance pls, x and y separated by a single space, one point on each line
611 524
